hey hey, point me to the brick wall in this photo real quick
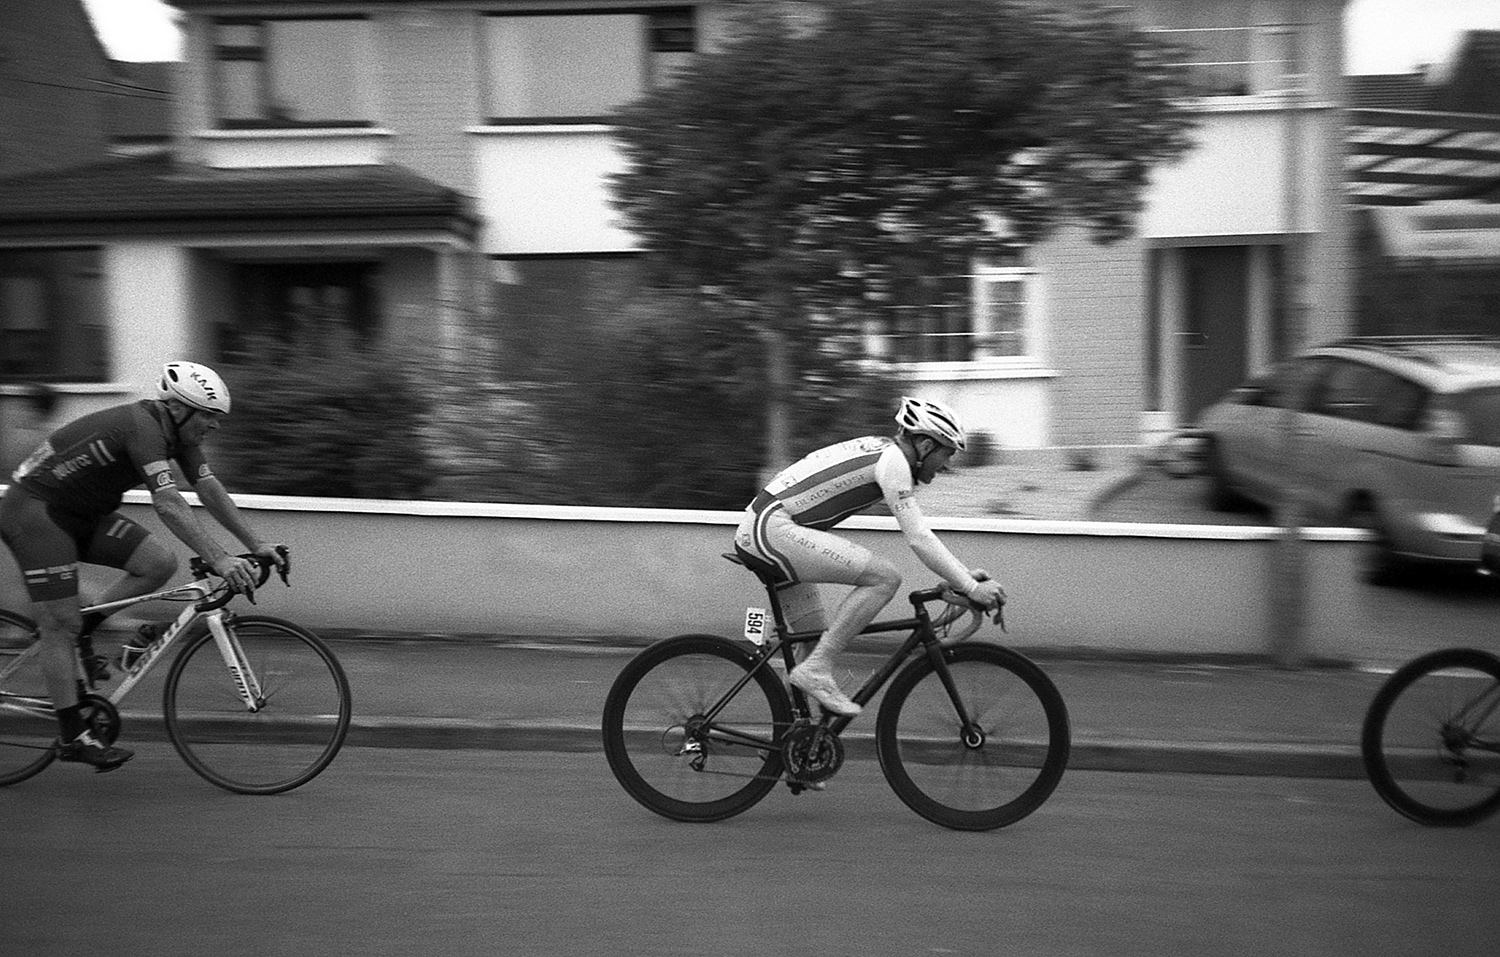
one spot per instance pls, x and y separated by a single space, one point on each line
431 93
1096 318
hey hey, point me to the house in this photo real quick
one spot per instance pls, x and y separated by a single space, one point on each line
396 166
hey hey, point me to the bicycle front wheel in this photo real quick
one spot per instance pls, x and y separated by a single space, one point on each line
1431 738
28 726
299 717
682 741
980 753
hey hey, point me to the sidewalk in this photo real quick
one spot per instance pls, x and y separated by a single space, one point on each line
1127 716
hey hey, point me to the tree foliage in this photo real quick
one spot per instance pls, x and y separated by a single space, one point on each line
829 152
813 157
344 421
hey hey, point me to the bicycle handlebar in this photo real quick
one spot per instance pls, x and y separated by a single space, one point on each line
961 605
223 593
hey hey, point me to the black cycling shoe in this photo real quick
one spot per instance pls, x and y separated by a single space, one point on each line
87 749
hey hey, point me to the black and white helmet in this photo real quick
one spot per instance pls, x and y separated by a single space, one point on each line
196 386
932 419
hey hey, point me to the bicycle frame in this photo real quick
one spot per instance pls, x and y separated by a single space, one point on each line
923 632
246 683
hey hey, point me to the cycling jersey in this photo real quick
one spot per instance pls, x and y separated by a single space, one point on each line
828 485
86 466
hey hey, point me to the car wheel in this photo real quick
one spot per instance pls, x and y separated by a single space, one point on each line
1380 565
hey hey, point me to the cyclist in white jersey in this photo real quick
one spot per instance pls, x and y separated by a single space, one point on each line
786 525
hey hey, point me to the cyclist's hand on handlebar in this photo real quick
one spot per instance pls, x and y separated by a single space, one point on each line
239 572
275 554
989 595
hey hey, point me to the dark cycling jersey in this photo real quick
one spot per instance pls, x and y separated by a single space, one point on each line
86 466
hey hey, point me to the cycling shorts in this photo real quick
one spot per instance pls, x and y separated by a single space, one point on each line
798 553
49 542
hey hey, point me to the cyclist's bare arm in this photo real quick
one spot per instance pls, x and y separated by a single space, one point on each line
215 498
896 485
178 516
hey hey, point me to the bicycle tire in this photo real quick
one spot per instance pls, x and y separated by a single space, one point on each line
28 741
290 739
1423 751
682 775
1000 775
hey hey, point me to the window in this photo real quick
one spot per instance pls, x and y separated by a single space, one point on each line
294 72
578 67
1228 54
989 316
317 308
52 324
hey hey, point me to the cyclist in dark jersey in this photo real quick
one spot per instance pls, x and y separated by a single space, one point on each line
61 508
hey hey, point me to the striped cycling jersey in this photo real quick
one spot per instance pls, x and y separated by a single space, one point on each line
829 485
86 466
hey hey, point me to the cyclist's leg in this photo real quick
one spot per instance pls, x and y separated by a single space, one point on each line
48 557
809 555
118 542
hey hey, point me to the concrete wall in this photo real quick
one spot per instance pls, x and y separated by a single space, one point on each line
427 567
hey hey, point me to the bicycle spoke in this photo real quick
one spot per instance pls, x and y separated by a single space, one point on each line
668 755
286 735
1431 741
28 728
986 774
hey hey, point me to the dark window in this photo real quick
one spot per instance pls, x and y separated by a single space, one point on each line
294 72
313 307
52 322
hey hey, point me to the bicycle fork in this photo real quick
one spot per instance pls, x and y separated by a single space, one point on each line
245 681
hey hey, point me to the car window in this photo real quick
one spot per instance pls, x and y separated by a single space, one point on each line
1348 391
1399 402
1480 411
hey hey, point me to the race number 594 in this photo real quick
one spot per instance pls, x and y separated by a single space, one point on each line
755 625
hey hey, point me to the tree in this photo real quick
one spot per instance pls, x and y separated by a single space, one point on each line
830 148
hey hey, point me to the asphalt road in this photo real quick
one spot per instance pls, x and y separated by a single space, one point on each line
408 852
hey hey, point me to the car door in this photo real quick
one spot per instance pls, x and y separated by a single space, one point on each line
1340 445
1271 450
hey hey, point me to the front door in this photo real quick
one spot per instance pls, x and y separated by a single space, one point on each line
1215 316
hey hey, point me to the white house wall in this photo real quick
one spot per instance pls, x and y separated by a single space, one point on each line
545 189
1234 182
148 295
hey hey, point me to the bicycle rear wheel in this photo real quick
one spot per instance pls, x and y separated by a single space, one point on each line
670 754
28 726
1431 738
991 772
300 722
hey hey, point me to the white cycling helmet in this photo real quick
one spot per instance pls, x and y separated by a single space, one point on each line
932 419
196 386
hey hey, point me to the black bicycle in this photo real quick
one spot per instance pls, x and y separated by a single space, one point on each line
1431 739
970 735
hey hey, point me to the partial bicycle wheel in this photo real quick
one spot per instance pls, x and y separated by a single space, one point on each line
680 743
989 771
299 723
28 727
1431 739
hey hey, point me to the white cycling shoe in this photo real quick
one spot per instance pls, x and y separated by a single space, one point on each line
821 686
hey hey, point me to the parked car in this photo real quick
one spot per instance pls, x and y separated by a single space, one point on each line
1399 435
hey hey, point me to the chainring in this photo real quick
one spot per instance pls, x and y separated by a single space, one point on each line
100 717
811 752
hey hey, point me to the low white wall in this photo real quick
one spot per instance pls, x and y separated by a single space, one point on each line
428 567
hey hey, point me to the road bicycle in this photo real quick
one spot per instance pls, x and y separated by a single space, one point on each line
970 735
254 704
1431 738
